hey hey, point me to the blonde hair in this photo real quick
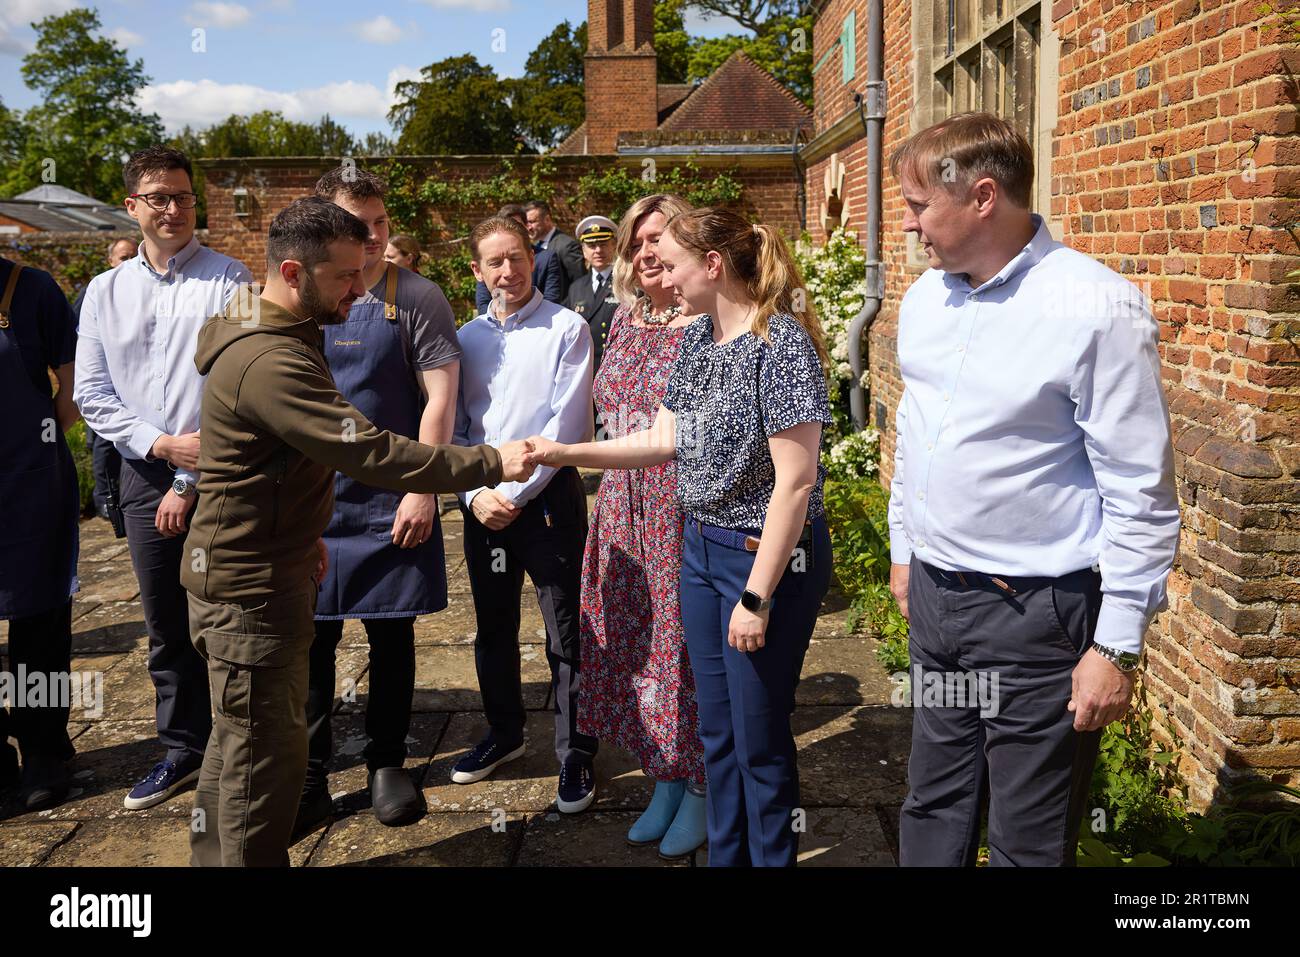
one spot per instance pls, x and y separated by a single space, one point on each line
758 256
966 147
626 290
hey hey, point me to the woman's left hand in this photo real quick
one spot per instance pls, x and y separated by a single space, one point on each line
746 630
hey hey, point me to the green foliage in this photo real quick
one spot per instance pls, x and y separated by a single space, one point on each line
1143 800
80 448
87 120
616 188
549 100
72 263
268 133
833 274
457 106
672 44
784 49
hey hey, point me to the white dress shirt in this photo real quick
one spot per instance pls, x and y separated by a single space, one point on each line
598 277
135 374
528 375
1033 434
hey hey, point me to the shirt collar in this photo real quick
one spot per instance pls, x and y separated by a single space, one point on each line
175 263
546 240
521 315
1034 250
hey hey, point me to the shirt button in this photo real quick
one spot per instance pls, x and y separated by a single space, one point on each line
945 397
920 544
929 446
961 348
921 496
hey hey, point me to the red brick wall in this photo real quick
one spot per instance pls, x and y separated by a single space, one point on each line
770 193
22 227
1149 179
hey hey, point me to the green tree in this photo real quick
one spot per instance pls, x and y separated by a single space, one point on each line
758 16
672 43
87 120
549 100
457 106
784 49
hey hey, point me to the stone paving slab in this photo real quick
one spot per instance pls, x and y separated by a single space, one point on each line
590 839
436 840
112 757
29 844
852 751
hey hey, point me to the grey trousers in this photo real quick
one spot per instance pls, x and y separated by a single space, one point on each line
990 681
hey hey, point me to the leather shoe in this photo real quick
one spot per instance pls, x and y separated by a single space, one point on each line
395 799
45 783
315 810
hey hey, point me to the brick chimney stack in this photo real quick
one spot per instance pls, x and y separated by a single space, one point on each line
620 71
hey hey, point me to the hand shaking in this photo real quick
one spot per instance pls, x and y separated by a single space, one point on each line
515 465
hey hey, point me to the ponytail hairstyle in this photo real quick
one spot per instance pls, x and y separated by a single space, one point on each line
757 256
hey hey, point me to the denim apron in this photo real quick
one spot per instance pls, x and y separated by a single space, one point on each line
39 499
369 576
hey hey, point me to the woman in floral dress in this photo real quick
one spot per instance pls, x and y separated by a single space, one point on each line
637 691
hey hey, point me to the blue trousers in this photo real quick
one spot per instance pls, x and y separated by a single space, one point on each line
746 698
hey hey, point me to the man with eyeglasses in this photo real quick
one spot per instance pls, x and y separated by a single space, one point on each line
137 386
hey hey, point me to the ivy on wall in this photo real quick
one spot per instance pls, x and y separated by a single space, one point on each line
415 193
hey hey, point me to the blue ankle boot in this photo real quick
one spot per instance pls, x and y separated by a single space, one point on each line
687 832
654 823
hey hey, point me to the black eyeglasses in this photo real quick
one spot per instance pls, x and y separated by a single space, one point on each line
161 201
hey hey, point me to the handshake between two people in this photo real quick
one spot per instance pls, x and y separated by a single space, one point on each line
518 461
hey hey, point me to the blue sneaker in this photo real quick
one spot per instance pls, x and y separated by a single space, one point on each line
158 785
653 824
577 787
687 833
484 758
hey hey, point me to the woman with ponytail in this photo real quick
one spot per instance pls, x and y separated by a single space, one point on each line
743 416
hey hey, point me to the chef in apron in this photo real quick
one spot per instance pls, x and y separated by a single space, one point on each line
39 507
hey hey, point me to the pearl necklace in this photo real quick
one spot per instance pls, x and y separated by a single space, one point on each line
663 319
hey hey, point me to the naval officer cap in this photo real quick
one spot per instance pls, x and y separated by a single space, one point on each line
596 229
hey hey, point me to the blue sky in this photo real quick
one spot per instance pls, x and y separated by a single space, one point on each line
302 57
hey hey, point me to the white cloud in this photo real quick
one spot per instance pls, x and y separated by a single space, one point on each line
18 15
222 15
125 38
202 103
479 6
379 30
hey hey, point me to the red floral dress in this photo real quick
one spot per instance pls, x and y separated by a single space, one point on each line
637 691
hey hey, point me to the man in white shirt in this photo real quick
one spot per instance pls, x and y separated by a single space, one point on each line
1033 513
136 386
525 370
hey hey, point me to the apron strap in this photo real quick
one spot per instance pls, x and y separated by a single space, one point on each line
7 300
390 294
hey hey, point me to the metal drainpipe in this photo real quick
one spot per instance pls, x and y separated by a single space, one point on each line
800 179
871 107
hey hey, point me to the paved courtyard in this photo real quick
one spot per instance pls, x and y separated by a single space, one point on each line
852 751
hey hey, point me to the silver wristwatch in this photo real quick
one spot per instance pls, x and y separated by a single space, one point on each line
182 487
1125 661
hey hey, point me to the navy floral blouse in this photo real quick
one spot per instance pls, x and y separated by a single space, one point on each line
727 400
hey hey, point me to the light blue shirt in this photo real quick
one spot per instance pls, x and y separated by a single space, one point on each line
135 374
528 375
1033 434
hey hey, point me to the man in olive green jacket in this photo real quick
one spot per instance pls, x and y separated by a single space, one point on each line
273 431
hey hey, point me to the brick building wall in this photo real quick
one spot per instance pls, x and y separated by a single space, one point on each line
771 190
1174 160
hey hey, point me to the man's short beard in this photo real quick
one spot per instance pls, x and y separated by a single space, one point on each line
312 303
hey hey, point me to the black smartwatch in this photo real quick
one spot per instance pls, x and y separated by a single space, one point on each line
752 602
